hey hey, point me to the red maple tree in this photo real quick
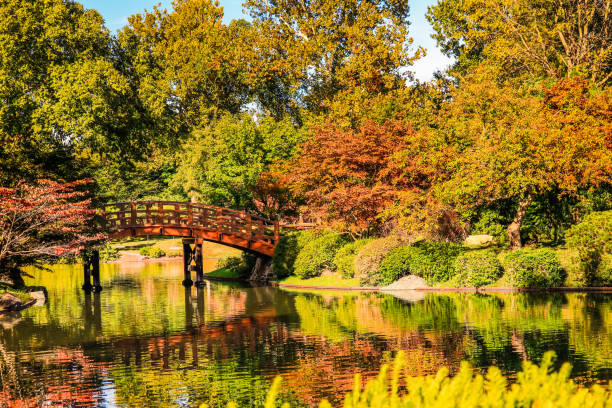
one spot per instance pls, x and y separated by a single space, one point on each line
42 220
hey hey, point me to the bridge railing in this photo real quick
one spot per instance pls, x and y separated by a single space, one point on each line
190 215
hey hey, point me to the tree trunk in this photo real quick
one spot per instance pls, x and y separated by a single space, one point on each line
514 229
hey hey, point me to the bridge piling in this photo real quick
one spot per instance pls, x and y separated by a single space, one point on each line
187 254
86 274
95 270
199 266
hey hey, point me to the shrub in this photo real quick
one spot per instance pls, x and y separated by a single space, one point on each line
242 264
369 257
400 262
530 268
109 253
318 254
345 257
438 263
534 386
592 238
152 252
287 251
478 268
603 274
433 261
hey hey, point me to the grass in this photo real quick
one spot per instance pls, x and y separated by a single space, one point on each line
327 281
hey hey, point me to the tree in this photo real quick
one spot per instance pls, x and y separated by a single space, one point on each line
43 220
331 50
221 163
526 38
348 176
492 143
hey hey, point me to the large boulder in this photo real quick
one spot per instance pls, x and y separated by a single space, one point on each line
479 241
406 283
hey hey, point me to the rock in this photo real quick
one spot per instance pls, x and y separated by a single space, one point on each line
479 241
406 283
328 272
10 302
408 295
40 297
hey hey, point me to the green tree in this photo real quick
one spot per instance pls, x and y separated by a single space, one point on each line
526 38
221 163
335 52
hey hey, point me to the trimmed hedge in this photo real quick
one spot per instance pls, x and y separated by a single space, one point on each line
432 261
318 254
531 268
478 268
592 238
345 257
400 262
367 261
152 252
287 251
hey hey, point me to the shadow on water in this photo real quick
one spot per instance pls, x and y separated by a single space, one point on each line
148 341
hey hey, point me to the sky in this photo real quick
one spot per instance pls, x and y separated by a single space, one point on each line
116 12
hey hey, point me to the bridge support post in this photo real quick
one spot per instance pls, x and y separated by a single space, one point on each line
187 253
86 273
95 270
199 266
91 268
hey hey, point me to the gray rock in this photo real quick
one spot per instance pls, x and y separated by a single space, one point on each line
479 241
406 283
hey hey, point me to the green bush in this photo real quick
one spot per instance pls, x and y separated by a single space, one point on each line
287 251
531 268
433 261
477 268
438 265
242 264
318 254
603 274
592 238
109 253
367 261
400 262
535 386
152 252
491 223
345 257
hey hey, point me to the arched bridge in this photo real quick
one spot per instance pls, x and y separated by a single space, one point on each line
234 228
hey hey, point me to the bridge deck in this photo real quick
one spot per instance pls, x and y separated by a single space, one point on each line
234 228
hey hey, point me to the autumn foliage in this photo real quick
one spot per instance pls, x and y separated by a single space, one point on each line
42 220
348 176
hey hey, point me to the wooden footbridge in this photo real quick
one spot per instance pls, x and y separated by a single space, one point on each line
193 222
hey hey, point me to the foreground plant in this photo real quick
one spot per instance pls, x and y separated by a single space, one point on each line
535 386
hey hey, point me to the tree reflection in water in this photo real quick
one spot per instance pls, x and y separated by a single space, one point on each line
147 341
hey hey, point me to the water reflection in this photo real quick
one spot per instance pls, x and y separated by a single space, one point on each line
147 341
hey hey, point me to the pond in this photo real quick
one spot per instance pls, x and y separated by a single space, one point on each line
146 341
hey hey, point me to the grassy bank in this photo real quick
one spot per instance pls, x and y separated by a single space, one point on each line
335 280
170 247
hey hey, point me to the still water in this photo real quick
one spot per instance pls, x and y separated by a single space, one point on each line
145 341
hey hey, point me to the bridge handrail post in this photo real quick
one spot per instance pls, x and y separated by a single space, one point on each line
190 214
276 230
132 213
249 226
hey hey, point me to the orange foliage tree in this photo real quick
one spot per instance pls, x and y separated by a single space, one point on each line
492 143
347 176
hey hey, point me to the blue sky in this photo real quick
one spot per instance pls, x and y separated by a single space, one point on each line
115 13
